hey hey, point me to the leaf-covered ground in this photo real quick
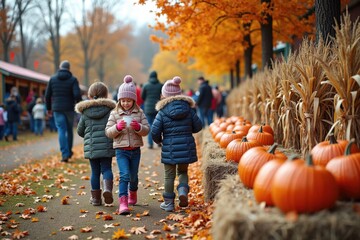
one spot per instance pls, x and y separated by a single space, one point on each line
50 199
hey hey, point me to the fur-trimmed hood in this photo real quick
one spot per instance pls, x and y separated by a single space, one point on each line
176 107
95 108
163 102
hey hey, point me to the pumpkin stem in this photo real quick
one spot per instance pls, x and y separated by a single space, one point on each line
309 160
261 129
233 132
273 148
244 139
293 157
332 139
348 147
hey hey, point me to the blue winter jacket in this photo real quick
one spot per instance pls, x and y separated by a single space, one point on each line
174 126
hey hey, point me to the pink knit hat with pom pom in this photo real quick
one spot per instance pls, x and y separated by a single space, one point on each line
127 89
171 87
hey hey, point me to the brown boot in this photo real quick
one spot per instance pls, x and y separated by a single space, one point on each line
95 199
107 194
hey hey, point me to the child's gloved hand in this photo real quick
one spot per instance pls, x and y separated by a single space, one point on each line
121 125
135 125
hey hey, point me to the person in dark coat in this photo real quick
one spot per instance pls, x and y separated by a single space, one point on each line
98 148
204 101
13 117
62 93
150 94
174 126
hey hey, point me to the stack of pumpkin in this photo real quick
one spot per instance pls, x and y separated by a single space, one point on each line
329 173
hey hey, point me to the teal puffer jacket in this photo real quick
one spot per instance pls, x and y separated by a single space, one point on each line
91 127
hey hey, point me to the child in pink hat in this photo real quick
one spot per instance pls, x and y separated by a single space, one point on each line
127 125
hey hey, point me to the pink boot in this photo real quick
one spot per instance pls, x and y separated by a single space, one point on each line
132 197
123 208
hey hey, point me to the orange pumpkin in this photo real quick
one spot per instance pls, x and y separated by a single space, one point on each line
324 151
346 169
302 187
263 181
244 127
218 136
265 127
236 148
227 137
252 161
262 137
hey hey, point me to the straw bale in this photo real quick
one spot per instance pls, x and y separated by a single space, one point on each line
214 166
238 216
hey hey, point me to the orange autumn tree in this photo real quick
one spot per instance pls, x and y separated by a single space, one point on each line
106 52
97 34
189 21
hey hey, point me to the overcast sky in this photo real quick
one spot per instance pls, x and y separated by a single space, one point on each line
140 14
126 11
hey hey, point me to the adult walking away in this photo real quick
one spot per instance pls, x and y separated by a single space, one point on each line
151 94
174 126
204 101
62 93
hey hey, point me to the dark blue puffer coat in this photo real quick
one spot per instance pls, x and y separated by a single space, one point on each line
174 126
62 92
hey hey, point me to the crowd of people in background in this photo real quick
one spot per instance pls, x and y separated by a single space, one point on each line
210 102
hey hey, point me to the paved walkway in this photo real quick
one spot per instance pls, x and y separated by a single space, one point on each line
59 215
13 156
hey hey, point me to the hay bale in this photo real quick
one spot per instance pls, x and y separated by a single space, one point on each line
214 166
238 216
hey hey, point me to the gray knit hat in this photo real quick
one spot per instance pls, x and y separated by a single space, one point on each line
127 89
65 65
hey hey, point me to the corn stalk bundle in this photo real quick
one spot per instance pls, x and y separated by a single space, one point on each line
287 118
263 80
246 97
343 75
255 86
314 99
273 101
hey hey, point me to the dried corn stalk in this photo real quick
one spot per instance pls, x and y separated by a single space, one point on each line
314 97
343 75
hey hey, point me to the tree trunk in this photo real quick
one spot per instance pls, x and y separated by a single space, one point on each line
237 72
326 14
248 51
101 68
267 38
248 61
23 46
232 85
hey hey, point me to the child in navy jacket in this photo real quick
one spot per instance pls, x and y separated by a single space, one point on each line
174 125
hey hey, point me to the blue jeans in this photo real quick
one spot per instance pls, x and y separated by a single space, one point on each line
38 126
64 124
32 122
11 128
128 162
52 124
150 118
100 166
205 114
2 130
